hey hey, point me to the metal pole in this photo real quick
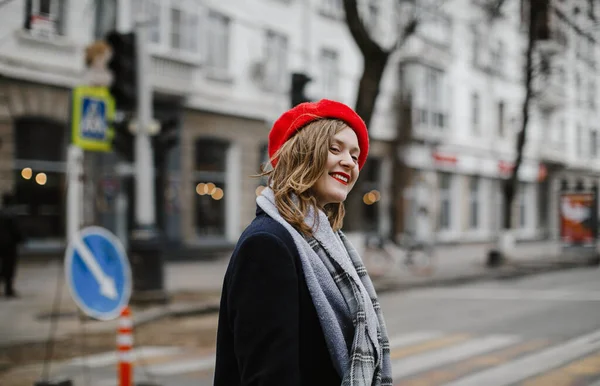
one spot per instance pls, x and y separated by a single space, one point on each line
145 244
74 190
144 166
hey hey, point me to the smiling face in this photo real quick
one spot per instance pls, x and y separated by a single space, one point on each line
341 169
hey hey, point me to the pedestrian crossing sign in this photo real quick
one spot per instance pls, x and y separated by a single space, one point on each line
93 108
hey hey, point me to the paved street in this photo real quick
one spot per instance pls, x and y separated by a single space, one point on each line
538 330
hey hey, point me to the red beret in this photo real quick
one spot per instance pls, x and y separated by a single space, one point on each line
296 118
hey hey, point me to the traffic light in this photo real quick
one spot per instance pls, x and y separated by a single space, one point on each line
123 67
297 94
123 140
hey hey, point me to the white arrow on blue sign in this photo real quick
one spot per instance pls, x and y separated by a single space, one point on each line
98 273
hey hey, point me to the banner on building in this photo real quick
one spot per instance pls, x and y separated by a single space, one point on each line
578 219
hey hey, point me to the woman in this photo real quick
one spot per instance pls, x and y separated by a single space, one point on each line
298 307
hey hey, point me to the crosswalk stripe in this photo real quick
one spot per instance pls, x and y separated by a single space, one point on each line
418 363
451 372
414 338
569 374
534 364
428 345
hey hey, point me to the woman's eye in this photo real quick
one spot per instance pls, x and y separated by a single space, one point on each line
355 158
334 149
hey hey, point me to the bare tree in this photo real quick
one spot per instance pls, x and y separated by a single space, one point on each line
536 28
375 60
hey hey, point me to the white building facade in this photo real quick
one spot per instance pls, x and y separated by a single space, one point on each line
224 67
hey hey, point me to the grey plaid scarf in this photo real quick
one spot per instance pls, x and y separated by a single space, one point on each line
344 298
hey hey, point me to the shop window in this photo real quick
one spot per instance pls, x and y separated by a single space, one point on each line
474 184
40 178
522 194
264 163
371 177
39 200
445 196
210 186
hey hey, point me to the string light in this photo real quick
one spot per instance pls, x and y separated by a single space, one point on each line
41 178
26 173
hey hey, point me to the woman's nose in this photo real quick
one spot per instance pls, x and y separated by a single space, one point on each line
346 160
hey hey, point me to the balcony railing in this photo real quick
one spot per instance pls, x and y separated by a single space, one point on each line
172 75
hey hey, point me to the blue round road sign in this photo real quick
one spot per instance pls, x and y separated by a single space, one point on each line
98 273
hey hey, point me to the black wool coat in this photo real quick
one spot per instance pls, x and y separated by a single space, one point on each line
268 331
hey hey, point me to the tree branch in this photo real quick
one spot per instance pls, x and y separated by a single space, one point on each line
408 30
494 8
359 32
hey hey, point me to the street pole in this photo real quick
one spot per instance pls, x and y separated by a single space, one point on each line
145 203
74 190
145 247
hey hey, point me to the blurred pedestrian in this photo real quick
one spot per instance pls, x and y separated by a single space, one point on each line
10 238
298 307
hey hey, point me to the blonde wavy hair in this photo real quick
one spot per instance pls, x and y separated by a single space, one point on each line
301 161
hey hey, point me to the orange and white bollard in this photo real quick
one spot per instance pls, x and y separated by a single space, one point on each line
124 347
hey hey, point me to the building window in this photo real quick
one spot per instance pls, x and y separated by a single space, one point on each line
106 18
276 53
476 53
578 141
174 24
433 99
522 206
330 73
210 187
499 60
578 98
501 119
151 9
497 57
474 184
184 30
445 195
592 96
45 17
593 143
332 8
218 41
561 133
475 113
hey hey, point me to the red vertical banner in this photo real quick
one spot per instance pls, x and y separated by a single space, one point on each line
578 219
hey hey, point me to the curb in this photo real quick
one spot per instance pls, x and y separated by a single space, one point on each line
506 272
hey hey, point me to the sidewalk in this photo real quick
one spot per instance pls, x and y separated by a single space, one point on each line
195 287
